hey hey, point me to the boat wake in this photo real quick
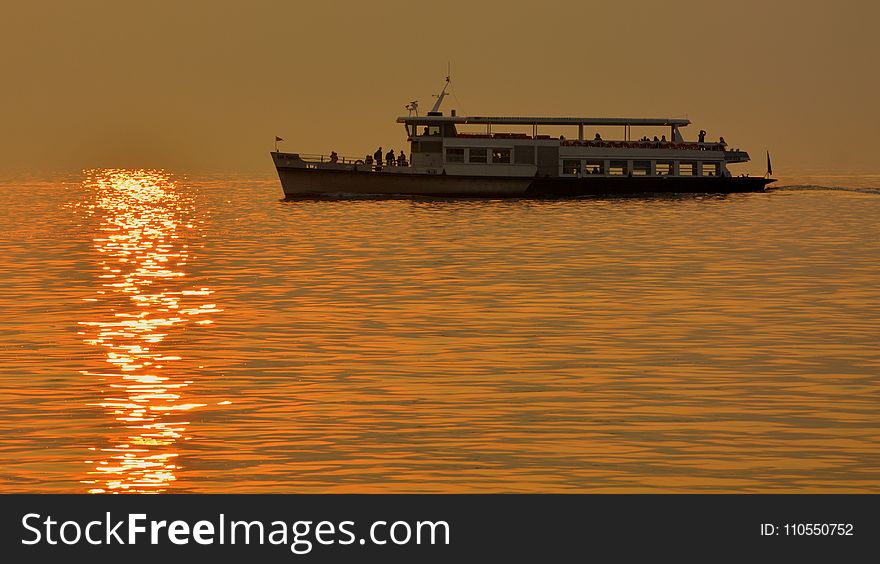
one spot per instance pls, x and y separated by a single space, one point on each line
802 187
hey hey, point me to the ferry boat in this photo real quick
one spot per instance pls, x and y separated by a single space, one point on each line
446 161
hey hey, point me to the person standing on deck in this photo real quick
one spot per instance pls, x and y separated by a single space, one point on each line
378 156
389 157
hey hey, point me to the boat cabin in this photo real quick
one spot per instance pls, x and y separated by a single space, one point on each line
439 147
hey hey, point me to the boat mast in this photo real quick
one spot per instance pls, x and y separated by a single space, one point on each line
442 95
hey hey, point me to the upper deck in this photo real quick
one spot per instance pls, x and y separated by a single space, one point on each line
438 144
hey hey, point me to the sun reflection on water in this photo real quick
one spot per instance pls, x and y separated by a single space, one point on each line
145 221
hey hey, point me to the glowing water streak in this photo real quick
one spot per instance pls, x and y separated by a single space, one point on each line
144 221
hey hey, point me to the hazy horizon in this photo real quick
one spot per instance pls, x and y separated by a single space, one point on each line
205 87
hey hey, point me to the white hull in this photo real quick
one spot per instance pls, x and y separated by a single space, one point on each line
299 181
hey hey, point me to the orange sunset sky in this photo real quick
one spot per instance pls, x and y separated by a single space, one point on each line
204 86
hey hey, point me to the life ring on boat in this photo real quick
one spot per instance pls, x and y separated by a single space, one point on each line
359 161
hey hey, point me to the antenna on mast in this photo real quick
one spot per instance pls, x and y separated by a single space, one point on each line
413 107
442 94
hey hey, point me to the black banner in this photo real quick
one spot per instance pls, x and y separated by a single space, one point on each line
437 528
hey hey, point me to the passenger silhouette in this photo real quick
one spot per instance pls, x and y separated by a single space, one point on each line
378 157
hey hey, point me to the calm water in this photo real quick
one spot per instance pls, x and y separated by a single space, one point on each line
161 333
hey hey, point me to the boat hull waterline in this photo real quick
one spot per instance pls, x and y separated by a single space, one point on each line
305 183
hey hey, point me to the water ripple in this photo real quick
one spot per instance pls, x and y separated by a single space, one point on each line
681 344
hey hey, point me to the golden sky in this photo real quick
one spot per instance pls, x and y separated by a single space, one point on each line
205 86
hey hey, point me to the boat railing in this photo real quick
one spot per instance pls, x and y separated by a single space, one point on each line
316 159
684 146
500 136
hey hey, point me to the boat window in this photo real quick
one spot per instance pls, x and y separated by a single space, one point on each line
477 156
501 156
431 130
686 169
617 168
524 154
454 155
570 166
710 169
594 167
430 147
663 168
641 168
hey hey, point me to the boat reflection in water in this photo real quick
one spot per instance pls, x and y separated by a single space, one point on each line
145 300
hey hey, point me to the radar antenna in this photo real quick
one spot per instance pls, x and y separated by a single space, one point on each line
413 107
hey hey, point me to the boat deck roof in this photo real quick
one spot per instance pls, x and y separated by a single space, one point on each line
525 120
